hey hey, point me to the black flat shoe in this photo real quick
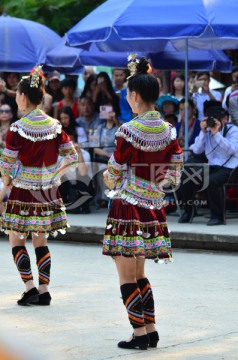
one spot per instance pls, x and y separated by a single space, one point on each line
29 297
44 299
213 222
153 339
185 218
140 342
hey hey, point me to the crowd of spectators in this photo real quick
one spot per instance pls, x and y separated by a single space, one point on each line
92 115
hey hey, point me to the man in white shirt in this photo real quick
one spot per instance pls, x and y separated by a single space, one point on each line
219 141
203 92
230 89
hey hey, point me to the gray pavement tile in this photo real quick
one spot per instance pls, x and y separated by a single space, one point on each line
195 297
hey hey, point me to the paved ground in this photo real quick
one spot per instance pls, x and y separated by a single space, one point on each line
196 307
90 228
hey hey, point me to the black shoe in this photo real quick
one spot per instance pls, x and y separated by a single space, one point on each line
102 205
216 221
153 339
140 342
44 299
29 297
185 218
85 210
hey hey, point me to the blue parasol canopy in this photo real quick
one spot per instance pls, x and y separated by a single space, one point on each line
67 59
139 25
147 25
24 43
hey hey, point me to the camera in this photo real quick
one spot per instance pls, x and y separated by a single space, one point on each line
210 121
105 111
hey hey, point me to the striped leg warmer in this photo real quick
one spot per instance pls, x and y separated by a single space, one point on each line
147 300
23 263
43 261
132 300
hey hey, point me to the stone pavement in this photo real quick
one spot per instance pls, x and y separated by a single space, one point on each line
195 297
90 228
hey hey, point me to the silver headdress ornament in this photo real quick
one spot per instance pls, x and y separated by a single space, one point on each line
34 76
132 64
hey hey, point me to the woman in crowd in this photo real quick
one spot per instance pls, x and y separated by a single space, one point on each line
168 105
77 182
67 88
8 86
160 80
193 123
5 122
89 86
104 92
70 126
105 135
54 86
178 86
136 226
34 207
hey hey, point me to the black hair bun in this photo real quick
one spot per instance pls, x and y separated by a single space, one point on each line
142 66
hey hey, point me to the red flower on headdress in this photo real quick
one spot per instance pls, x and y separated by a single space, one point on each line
149 69
37 69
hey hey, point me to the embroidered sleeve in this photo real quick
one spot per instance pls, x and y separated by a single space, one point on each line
117 163
9 155
175 168
67 151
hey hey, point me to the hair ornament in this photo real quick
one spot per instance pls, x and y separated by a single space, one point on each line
149 71
34 76
132 64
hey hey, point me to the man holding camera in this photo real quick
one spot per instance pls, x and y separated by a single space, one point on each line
202 92
219 141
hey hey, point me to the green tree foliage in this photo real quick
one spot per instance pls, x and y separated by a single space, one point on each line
59 15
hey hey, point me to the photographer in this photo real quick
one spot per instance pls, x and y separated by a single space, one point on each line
219 141
202 92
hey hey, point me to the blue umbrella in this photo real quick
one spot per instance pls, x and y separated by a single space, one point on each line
75 70
198 24
146 25
68 59
199 60
24 43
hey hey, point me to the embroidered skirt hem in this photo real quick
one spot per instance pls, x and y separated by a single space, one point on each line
133 231
34 211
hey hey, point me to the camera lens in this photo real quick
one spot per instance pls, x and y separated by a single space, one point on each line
210 121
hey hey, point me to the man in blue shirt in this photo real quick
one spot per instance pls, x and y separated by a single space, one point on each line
219 141
119 78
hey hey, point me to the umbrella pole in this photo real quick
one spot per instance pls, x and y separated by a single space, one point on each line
186 99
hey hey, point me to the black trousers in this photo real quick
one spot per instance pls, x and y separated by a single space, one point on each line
197 177
78 194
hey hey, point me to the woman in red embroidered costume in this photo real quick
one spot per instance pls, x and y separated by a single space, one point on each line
147 158
29 167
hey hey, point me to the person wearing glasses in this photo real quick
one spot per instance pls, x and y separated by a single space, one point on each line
5 122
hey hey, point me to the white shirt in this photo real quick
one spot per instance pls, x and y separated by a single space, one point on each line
81 135
200 97
227 92
219 150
